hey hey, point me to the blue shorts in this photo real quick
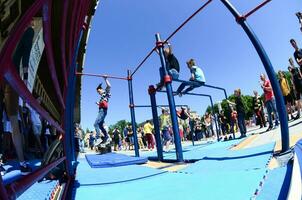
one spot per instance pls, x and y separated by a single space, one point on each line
166 135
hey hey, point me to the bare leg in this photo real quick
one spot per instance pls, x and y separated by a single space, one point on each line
17 137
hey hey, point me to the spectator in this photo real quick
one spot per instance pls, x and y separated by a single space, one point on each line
269 101
36 125
285 92
11 97
148 129
258 109
116 135
297 53
240 111
165 122
296 78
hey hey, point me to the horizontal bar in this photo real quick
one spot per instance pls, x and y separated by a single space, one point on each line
18 187
147 106
189 93
101 75
188 19
255 9
15 82
194 83
144 60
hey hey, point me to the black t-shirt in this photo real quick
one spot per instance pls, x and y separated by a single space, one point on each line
296 77
222 119
172 63
298 54
239 105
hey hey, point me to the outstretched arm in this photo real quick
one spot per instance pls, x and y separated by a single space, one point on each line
108 86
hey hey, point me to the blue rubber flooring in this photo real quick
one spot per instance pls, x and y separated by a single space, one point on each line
39 191
87 176
229 160
276 185
178 186
113 160
200 151
13 172
220 174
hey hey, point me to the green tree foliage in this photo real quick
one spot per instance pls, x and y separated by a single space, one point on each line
120 125
247 101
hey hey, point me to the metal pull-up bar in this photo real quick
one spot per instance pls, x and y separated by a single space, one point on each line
255 9
102 75
195 83
164 106
171 35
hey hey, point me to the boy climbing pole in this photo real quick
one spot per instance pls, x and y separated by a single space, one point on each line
103 107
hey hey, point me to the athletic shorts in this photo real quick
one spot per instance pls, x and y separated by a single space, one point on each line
11 99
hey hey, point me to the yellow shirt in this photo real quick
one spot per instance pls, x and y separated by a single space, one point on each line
164 121
284 87
148 128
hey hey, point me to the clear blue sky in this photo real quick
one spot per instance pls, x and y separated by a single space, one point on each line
123 33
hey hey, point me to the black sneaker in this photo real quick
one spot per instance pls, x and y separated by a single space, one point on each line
25 169
269 128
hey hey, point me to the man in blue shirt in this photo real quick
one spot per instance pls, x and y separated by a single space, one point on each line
197 78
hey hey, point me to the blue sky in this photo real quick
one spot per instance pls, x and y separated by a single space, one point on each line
123 32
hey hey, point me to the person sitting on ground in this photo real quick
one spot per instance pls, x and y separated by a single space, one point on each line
172 66
297 53
197 79
299 15
103 107
240 111
285 89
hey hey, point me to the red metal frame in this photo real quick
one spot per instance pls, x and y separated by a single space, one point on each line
171 35
15 189
256 8
49 50
15 81
9 73
63 42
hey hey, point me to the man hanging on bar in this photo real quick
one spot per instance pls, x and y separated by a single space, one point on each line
197 79
103 107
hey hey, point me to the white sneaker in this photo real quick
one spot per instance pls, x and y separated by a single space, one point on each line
98 142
